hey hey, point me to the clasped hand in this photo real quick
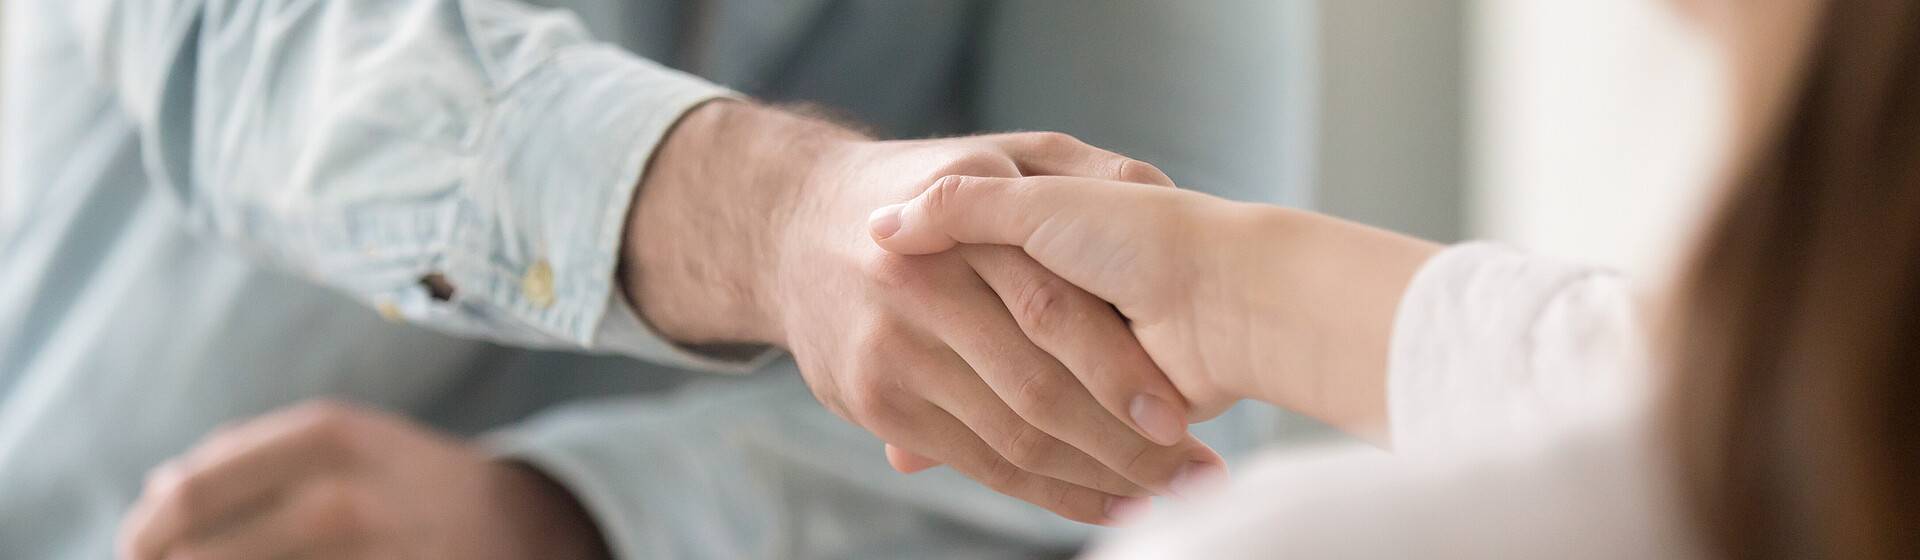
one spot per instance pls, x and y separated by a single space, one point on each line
1231 300
981 358
751 229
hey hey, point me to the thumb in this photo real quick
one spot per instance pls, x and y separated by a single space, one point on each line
888 225
960 209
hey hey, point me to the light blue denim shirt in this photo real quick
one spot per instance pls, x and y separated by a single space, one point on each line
365 145
210 209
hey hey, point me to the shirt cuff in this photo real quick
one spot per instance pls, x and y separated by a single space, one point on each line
621 331
552 183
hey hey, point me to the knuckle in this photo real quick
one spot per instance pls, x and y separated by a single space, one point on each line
863 399
1058 496
868 394
1050 141
1140 459
1002 476
876 340
1029 448
873 406
333 509
973 163
940 198
897 272
344 439
332 434
1039 392
1040 304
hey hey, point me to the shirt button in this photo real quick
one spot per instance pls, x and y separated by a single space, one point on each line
538 285
391 312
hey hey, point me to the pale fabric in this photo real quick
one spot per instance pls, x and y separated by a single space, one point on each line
1517 390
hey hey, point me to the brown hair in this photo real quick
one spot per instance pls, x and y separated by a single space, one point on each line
1796 400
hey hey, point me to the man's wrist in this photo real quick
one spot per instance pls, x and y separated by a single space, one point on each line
709 222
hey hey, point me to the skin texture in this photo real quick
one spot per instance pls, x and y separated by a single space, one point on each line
329 480
1234 301
980 359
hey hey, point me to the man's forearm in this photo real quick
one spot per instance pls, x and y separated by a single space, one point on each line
701 240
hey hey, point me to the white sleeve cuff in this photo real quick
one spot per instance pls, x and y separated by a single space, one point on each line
1490 342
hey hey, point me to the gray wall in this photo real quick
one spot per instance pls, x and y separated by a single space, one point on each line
1352 107
1214 92
1392 96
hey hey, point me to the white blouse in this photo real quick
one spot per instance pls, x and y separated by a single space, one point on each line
1518 395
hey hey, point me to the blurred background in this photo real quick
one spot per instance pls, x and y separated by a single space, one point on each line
1586 129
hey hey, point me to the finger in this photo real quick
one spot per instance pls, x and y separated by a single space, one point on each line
946 440
995 211
947 383
1122 242
1087 336
1039 390
967 398
320 517
961 209
218 481
1053 153
908 462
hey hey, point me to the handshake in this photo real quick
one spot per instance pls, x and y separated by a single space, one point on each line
1017 358
1042 316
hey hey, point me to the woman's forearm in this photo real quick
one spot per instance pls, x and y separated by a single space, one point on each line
1320 299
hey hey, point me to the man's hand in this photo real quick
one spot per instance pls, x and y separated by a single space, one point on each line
326 480
751 228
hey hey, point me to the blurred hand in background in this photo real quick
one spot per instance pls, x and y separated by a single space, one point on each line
325 480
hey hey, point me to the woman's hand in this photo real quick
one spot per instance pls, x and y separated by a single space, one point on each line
1231 300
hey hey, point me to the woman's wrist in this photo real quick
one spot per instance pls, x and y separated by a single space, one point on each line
1320 296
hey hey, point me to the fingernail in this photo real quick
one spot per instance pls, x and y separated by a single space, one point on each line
1125 510
885 222
1197 480
1157 418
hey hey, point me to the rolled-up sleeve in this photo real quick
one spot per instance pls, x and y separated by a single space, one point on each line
371 145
